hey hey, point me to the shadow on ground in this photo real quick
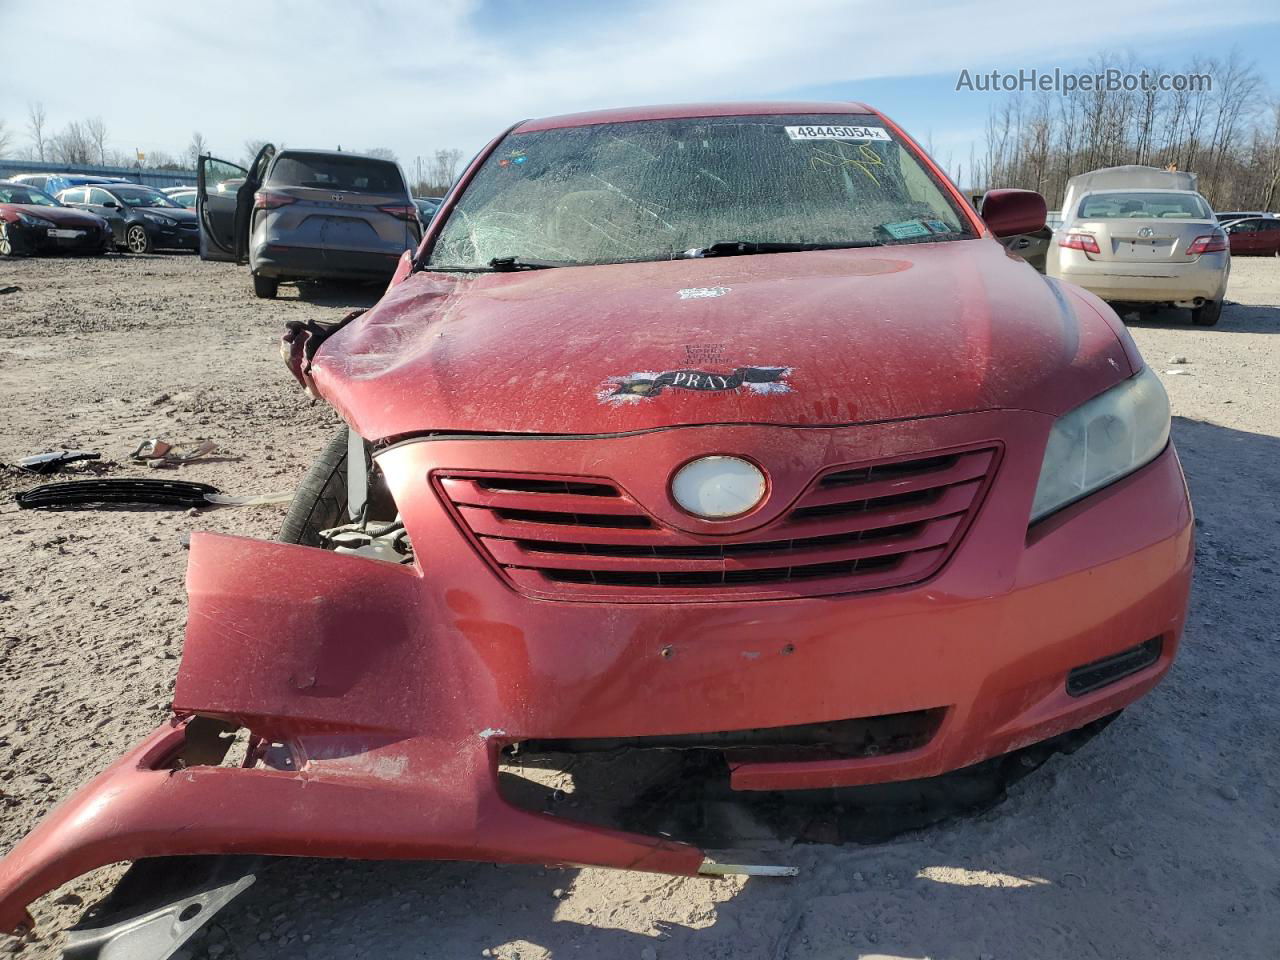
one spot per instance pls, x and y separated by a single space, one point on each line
1236 318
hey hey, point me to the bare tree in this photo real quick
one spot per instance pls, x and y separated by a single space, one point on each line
251 150
382 153
5 138
96 131
72 145
36 121
197 148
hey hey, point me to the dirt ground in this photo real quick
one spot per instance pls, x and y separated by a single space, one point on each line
1159 839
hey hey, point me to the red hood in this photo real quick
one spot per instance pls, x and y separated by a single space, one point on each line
832 337
63 216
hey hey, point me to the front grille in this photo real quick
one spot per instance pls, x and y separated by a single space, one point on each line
854 528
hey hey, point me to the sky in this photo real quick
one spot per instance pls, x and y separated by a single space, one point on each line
416 77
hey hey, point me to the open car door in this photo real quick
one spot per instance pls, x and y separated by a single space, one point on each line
224 204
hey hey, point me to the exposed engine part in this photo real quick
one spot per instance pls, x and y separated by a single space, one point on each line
378 541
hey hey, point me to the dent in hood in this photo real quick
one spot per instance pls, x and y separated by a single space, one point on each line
816 338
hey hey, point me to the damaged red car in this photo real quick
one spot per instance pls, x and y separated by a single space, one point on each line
718 427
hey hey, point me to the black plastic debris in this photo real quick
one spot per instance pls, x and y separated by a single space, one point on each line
4 290
108 492
55 460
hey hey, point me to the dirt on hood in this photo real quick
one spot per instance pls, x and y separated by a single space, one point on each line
815 338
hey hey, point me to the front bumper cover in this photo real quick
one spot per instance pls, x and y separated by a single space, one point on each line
392 690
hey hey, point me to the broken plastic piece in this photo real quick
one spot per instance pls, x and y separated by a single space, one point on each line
161 453
710 868
249 500
158 906
109 492
55 460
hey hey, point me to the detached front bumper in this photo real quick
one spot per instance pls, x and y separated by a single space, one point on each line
390 690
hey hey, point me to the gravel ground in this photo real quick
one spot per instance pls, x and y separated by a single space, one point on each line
1158 839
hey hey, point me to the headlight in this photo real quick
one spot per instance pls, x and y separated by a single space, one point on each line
1101 441
31 221
156 218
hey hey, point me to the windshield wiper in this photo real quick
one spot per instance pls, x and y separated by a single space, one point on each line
508 264
741 248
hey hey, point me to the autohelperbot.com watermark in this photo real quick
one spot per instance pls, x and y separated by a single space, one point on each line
1110 80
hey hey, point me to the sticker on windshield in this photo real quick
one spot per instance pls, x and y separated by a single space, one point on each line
905 230
838 133
645 385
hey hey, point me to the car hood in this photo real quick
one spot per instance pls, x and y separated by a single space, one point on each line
62 216
814 338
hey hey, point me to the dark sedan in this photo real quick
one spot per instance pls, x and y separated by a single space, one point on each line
142 218
31 221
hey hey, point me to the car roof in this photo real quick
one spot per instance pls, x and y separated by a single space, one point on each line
308 151
686 110
1094 193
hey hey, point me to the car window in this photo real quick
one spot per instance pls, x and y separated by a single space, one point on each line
144 197
1245 226
1144 206
28 194
99 196
347 174
652 189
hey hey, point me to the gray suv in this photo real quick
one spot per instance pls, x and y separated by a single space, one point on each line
306 214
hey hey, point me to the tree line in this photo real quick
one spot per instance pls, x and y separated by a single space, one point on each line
86 142
1227 132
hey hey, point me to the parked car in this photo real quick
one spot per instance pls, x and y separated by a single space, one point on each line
427 208
183 195
306 214
720 428
142 218
1241 214
31 221
1142 246
55 183
1253 236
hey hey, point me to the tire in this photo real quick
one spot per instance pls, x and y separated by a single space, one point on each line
9 246
1207 316
321 500
265 288
137 239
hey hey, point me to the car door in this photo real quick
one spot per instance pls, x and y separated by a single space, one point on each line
1269 237
107 207
1246 236
224 204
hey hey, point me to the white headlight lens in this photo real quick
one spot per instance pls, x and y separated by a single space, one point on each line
1103 440
717 487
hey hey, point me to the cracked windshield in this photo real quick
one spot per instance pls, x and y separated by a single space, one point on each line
654 190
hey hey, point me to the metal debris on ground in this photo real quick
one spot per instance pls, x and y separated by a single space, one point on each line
55 460
160 453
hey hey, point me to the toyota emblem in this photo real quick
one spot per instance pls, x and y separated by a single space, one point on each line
338 196
1144 232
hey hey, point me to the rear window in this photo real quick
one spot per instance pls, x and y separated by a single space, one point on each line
349 174
1144 206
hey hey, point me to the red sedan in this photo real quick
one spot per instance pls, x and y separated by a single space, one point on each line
1256 236
33 222
722 427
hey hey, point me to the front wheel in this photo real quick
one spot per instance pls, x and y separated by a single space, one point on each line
265 288
1207 316
137 239
320 502
9 246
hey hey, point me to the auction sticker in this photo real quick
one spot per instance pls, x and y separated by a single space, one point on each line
838 133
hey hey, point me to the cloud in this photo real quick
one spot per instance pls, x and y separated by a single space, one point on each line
417 76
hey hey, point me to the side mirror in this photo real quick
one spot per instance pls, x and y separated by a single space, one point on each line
1012 212
110 204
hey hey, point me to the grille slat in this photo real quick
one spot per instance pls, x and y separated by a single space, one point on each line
862 527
